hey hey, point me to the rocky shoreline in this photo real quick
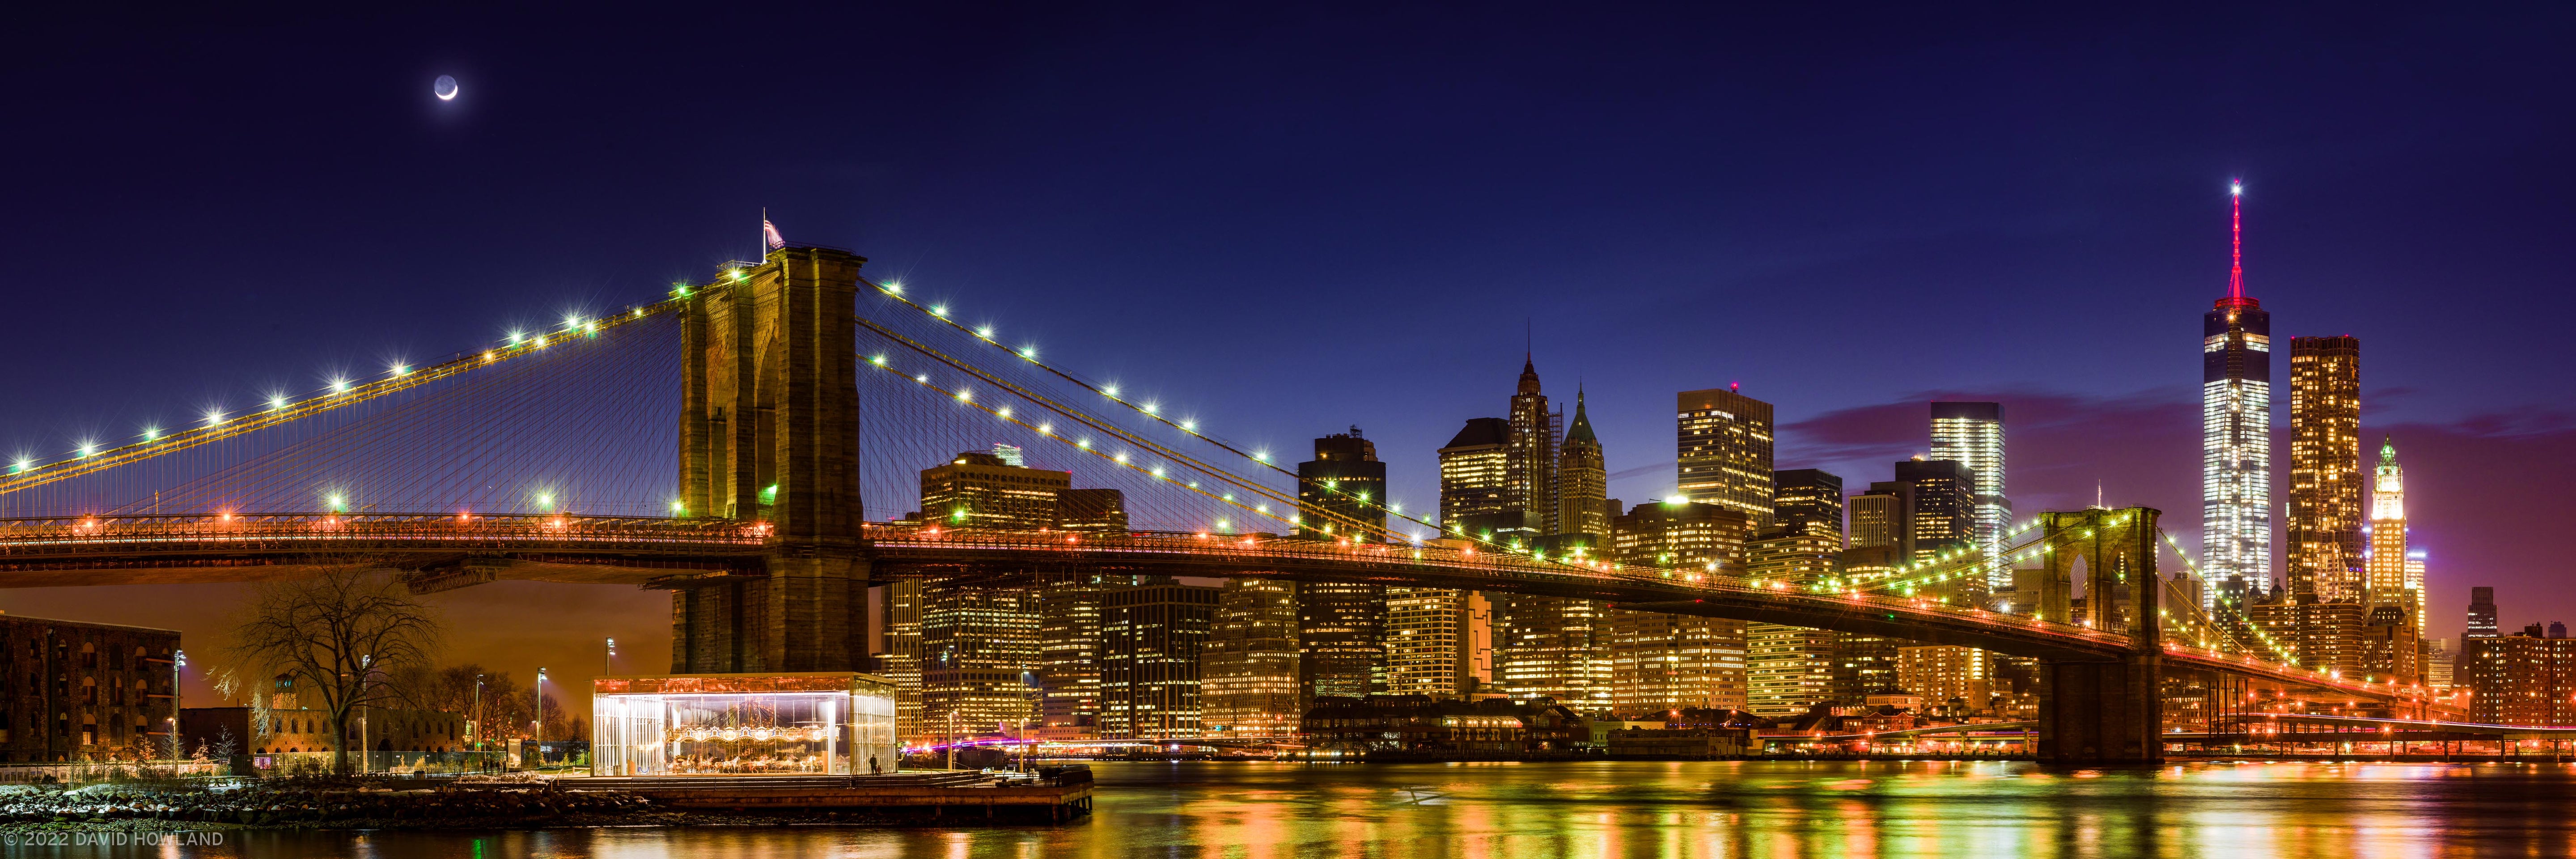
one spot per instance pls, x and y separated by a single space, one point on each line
348 804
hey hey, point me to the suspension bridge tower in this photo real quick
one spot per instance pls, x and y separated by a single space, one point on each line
2109 711
769 433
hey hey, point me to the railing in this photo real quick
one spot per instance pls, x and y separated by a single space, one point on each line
57 534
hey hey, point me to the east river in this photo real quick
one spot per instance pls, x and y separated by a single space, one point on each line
1535 810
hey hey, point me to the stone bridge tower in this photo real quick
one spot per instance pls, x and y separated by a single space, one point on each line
769 433
2110 711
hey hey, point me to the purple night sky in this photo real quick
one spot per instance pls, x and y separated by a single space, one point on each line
1292 222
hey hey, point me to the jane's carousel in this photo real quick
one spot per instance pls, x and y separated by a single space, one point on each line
818 723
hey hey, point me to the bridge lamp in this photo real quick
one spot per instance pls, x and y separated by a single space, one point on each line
1263 509
340 385
1190 426
214 417
402 369
1046 429
985 332
679 509
333 502
1002 412
1158 472
545 501
1261 456
1121 457
878 360
515 337
1029 352
276 402
965 396
21 465
88 448
895 288
151 433
939 310
923 378
734 273
1085 444
1150 406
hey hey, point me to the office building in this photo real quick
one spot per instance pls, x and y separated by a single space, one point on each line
1972 434
980 490
1809 501
898 660
2482 614
1152 636
1664 661
1883 518
1947 676
2391 603
979 659
2236 426
1944 517
1340 625
1095 510
2324 525
1865 665
1724 447
1248 684
1583 483
1530 471
1069 653
1476 499
1439 642
1341 493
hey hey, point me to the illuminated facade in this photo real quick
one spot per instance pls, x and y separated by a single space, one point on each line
2520 680
1944 514
1439 642
1724 448
899 620
1152 637
1475 482
1551 647
980 490
1664 661
1883 518
979 659
742 724
2325 515
1069 654
1941 674
1972 434
1583 483
2393 603
1340 625
2236 430
1248 682
1531 470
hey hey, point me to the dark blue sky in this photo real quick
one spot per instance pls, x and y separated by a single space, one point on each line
1288 222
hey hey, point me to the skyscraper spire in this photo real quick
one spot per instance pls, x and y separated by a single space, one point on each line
2236 241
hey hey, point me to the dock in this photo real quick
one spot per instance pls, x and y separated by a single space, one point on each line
1055 794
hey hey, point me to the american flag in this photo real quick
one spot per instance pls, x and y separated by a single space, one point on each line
769 232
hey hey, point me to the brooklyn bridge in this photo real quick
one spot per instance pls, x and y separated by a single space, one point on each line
730 443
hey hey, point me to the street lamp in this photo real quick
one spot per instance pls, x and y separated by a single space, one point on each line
608 665
541 715
178 660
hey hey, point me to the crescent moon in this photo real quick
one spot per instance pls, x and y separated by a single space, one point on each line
444 88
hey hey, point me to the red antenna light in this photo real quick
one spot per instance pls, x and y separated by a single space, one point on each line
2236 240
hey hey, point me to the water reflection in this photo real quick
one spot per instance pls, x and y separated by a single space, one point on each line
1753 809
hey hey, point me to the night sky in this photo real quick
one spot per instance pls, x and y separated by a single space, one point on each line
1294 222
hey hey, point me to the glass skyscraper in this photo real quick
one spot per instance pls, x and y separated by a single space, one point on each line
1973 434
2236 430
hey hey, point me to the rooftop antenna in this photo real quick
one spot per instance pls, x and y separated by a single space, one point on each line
2236 240
2097 493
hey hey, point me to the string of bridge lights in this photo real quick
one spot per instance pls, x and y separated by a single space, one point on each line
26 472
1153 411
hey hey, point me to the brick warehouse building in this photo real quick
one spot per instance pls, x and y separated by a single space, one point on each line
83 691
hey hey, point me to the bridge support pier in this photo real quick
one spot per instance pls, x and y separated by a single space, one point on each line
2102 712
769 433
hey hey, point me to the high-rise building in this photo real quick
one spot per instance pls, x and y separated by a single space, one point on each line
899 661
1973 434
1435 639
1883 518
1342 491
2482 614
1810 501
2236 426
1944 517
1248 679
1942 674
1476 498
1152 636
1069 653
1664 661
980 490
2325 515
1531 471
1790 668
2391 604
1583 484
1100 510
1551 647
1340 625
1865 665
1724 441
2521 679
979 659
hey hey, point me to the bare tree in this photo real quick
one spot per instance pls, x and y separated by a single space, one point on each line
336 635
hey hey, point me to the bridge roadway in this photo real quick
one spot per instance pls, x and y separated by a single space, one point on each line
454 550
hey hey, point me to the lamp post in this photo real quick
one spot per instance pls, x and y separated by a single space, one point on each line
178 660
608 665
541 716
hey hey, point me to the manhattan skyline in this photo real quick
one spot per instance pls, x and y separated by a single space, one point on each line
1749 242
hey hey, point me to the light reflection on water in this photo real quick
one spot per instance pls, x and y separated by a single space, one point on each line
1746 809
